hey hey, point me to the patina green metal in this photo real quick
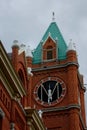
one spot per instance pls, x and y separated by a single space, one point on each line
54 32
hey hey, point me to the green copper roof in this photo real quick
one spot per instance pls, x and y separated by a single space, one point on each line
55 33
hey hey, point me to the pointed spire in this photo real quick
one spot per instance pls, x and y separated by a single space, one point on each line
53 16
22 48
15 43
28 52
71 46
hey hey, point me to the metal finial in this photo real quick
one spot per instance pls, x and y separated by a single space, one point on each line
71 46
53 16
73 43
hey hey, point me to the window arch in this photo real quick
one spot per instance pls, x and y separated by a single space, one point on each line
20 73
49 47
49 53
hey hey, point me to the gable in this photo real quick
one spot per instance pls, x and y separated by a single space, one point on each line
49 42
56 35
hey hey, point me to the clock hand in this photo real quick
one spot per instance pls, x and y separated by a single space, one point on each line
54 88
49 94
44 89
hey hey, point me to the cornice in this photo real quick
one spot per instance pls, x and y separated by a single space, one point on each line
63 108
55 67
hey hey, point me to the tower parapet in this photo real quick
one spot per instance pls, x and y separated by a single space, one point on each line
15 49
71 52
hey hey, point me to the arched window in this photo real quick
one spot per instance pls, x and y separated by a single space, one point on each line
49 53
20 73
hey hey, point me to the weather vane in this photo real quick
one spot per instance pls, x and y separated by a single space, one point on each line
53 16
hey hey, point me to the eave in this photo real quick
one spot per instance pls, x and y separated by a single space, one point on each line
54 67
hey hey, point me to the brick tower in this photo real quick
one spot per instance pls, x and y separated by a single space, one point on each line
51 78
56 87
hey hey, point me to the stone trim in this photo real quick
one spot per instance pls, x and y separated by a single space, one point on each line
76 106
81 119
54 67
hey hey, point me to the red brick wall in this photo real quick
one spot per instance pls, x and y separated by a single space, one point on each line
64 120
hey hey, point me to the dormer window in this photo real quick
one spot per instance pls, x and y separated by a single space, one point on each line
49 50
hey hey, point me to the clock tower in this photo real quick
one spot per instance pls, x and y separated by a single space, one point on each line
56 87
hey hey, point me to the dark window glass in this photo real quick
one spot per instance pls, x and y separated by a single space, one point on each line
20 73
0 122
49 55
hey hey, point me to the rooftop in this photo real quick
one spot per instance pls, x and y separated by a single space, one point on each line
54 32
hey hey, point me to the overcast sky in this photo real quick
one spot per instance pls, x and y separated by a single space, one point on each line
27 21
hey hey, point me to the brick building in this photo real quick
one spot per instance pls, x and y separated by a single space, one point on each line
47 81
13 114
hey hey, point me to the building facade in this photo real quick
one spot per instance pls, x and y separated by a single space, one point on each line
47 81
13 114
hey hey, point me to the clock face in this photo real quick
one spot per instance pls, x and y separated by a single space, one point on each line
50 91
